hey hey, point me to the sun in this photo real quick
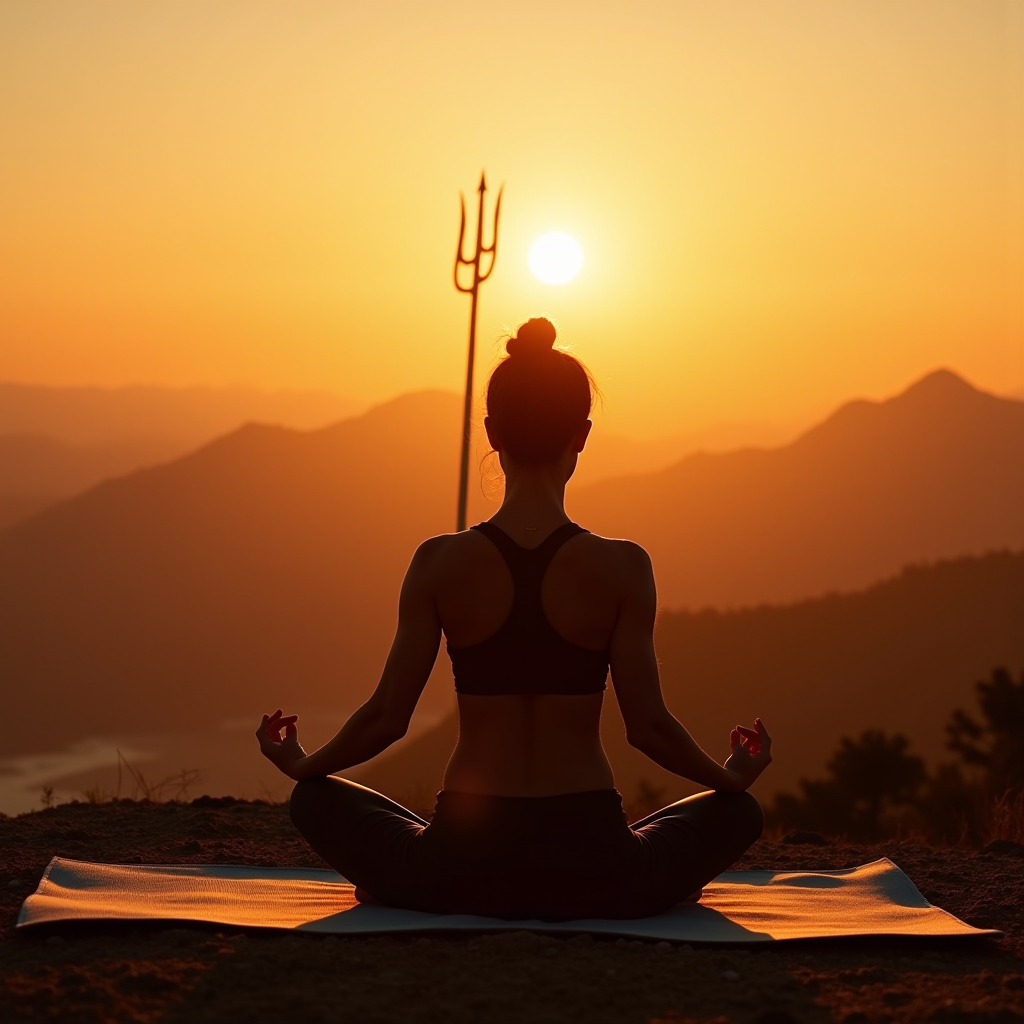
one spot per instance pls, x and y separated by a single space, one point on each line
556 258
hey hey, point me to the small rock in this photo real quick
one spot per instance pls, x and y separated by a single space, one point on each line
1004 848
14 883
730 975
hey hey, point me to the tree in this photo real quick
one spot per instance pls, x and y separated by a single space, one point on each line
869 778
993 745
876 773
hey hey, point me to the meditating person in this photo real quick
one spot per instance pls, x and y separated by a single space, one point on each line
534 610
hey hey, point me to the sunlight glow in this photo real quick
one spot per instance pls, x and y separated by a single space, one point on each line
556 258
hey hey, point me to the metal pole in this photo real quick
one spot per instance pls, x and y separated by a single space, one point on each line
473 291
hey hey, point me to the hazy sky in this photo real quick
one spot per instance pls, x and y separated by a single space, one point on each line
781 204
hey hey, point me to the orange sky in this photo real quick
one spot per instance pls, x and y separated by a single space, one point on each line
781 204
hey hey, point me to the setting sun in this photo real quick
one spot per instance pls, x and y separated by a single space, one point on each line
556 258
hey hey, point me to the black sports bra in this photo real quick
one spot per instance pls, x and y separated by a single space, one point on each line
526 654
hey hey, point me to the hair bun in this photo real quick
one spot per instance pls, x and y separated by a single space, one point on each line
533 338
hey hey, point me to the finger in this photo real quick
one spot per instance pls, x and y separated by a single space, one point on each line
750 739
279 721
262 726
735 741
759 725
290 731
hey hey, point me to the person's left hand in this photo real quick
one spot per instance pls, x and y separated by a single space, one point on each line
287 753
751 753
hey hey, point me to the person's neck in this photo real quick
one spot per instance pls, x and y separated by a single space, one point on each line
534 503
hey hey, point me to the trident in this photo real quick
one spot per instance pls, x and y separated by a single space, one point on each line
478 279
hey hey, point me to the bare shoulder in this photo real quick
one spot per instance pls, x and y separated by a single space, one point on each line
624 560
447 551
614 551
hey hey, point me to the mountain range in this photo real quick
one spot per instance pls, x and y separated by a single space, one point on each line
56 442
933 473
264 568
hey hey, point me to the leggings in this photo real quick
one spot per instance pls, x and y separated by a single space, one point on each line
553 858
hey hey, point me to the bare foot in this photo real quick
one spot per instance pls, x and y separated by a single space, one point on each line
362 896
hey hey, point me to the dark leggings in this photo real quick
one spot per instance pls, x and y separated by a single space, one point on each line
548 858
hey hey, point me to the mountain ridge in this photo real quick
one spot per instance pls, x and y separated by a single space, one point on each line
740 528
266 566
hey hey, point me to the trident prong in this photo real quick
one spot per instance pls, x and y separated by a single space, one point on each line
473 290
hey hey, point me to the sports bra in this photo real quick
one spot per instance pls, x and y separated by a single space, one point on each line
526 654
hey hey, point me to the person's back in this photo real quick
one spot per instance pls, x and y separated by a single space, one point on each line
534 610
527 733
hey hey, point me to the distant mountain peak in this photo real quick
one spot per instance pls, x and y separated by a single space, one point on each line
941 382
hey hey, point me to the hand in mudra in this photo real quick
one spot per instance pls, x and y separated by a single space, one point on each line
285 752
751 753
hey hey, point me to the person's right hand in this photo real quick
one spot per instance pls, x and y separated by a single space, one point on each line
751 753
285 752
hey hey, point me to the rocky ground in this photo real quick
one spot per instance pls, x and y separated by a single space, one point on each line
171 973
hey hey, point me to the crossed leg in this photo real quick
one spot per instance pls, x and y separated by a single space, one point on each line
695 839
361 833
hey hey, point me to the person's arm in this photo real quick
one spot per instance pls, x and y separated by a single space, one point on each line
650 726
384 718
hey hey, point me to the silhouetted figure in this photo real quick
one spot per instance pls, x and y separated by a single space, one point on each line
534 610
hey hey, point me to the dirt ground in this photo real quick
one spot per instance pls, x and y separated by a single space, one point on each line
124 972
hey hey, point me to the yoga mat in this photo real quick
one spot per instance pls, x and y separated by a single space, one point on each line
739 906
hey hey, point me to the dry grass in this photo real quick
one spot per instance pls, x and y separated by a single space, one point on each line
1003 818
173 787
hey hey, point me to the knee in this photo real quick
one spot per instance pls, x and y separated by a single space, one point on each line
741 815
750 814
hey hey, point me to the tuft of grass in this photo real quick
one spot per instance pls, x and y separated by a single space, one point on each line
46 798
173 787
1002 817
